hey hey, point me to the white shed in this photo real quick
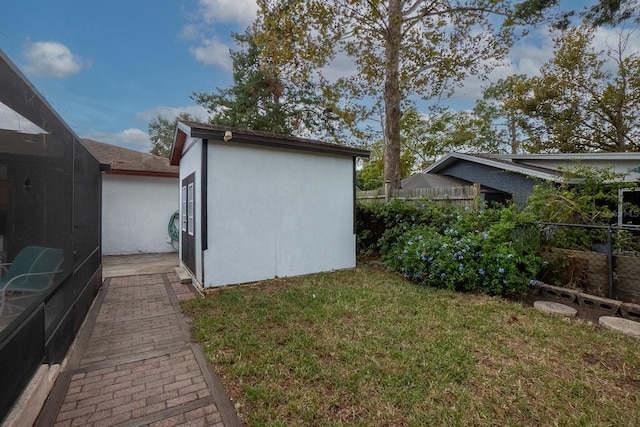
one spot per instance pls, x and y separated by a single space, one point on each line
139 198
255 205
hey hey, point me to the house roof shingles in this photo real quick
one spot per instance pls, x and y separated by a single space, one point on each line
129 162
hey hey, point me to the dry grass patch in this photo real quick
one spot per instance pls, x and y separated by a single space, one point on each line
364 347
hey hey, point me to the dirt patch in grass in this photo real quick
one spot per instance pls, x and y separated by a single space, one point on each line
364 347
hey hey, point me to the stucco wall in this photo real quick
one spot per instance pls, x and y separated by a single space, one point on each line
275 212
136 212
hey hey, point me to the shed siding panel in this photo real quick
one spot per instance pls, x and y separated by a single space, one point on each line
277 213
514 183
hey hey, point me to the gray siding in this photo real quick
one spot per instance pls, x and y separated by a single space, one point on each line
520 186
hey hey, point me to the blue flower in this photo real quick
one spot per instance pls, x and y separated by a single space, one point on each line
501 270
443 275
481 271
430 259
445 246
509 255
410 242
461 257
460 267
423 258
533 282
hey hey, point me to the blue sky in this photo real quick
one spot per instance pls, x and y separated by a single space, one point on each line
108 67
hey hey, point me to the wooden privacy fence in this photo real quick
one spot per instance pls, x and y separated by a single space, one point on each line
462 196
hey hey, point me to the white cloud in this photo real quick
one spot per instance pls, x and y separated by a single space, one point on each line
238 11
132 138
52 59
212 52
171 113
190 32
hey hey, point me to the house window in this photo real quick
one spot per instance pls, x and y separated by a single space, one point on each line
190 209
629 208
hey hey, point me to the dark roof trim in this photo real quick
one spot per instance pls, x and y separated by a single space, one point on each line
141 173
217 133
178 145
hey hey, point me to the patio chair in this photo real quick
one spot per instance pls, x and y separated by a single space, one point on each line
31 273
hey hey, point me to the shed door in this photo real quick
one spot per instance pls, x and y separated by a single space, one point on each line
187 211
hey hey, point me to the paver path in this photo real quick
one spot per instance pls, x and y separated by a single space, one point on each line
135 365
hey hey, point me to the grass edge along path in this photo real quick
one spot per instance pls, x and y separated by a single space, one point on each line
364 347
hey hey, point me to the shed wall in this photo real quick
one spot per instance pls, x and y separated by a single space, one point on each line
136 213
275 213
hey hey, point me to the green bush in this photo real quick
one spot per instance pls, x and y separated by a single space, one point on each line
487 251
378 225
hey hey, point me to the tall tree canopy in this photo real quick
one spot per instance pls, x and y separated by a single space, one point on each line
584 99
399 48
261 98
161 130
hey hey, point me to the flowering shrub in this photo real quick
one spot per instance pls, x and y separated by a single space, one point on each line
467 251
379 225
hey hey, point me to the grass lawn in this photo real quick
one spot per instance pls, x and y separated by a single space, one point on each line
364 347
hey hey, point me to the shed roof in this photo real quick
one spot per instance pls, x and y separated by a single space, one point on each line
243 136
130 162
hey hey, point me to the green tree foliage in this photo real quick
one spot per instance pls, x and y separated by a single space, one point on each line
504 122
261 99
398 48
161 131
371 175
577 104
585 196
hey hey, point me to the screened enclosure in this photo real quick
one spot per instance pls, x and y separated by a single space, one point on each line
49 233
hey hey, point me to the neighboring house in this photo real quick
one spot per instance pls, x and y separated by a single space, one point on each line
50 235
139 198
514 175
256 205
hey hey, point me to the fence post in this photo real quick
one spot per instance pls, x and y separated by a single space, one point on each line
387 191
610 261
476 196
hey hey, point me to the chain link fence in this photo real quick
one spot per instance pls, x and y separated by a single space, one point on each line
603 261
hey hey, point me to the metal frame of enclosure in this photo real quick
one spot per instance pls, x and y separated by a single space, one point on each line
50 193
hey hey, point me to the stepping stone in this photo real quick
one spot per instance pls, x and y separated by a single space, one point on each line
555 308
626 326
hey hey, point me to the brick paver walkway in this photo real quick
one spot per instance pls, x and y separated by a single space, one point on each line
134 364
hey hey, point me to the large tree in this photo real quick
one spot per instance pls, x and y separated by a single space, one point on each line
261 98
584 99
161 132
399 48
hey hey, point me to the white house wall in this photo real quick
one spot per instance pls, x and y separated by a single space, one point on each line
189 163
135 213
276 213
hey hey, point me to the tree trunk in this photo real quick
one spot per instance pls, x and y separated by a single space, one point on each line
392 95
